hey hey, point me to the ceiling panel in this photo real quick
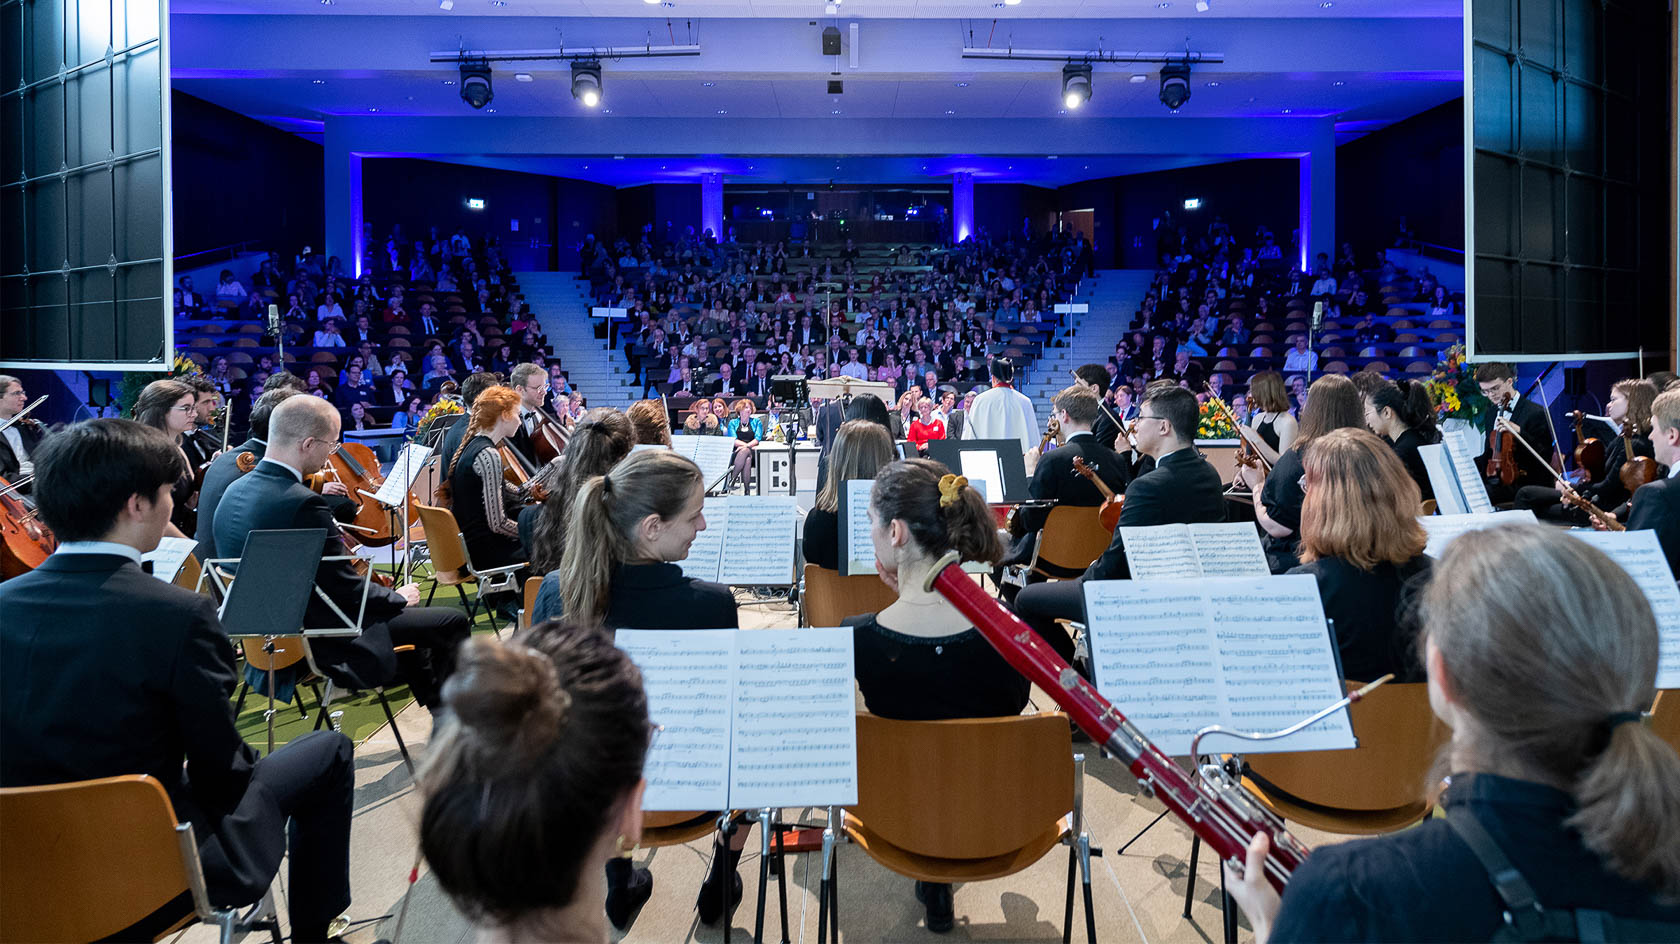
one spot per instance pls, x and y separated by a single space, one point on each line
876 9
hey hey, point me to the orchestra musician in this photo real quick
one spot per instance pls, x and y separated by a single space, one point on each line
21 439
920 659
1106 428
629 528
170 406
861 449
1076 411
486 507
1562 809
89 623
1182 489
302 433
1498 383
1270 417
1630 408
651 424
1003 412
1656 504
530 381
1404 416
203 441
1332 403
534 781
475 384
601 440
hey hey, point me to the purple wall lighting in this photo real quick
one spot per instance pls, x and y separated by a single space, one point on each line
962 206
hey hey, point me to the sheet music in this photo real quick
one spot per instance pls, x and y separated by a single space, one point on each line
854 528
1252 653
1442 529
1165 551
984 471
705 555
1641 556
167 559
795 726
758 539
393 492
688 675
643 447
1470 483
1229 549
711 453
1448 499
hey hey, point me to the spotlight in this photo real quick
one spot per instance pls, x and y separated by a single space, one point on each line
1175 84
586 83
475 82
446 5
1202 6
1076 84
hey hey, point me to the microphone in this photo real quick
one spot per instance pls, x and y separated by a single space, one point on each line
274 320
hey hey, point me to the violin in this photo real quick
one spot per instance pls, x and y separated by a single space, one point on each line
1589 452
27 540
1108 513
1502 451
1571 497
1636 470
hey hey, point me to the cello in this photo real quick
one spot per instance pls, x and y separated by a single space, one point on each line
27 541
1109 511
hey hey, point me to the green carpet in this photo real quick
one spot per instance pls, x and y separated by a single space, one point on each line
362 716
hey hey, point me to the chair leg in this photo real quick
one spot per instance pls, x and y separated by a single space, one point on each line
386 707
297 699
239 703
321 700
1067 909
433 592
1190 884
1229 909
1090 908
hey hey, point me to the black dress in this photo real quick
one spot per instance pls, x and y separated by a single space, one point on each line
822 538
931 678
1406 449
1375 614
480 506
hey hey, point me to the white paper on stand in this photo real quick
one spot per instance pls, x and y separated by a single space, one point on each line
748 541
1642 557
393 492
1442 529
859 549
1224 549
688 675
167 559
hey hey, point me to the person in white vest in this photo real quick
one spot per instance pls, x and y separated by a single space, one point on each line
1003 412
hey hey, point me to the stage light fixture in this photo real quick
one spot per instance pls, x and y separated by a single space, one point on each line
1175 84
1202 6
1076 84
475 83
586 83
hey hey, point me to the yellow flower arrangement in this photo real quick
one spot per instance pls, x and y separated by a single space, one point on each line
1214 420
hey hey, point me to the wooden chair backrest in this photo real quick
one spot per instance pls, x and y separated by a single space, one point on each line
81 861
443 538
288 651
532 585
964 789
191 570
1665 716
1398 738
830 598
1073 537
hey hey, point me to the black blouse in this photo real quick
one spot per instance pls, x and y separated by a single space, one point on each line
1406 449
658 596
1425 884
1282 497
822 538
1374 614
931 678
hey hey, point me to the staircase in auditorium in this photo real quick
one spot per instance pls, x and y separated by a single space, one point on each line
1113 296
561 303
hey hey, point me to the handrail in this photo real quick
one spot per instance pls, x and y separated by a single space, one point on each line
1444 253
233 250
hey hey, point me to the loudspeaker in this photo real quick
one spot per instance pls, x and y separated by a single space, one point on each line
1575 381
830 41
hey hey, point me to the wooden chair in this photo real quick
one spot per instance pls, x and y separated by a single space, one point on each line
453 567
83 861
529 600
1665 716
1373 788
1073 537
829 598
971 799
288 652
1335 367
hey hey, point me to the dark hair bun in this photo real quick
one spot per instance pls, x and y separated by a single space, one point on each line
509 695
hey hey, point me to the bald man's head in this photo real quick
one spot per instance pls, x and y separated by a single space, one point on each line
298 418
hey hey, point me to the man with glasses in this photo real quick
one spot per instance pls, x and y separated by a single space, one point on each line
1182 489
530 381
302 433
19 440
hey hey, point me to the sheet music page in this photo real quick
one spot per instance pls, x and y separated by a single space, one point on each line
1152 653
1438 464
795 729
854 528
393 492
1470 483
1229 549
758 539
642 447
1162 551
167 559
1276 662
1642 557
688 675
705 555
1442 529
713 455
984 471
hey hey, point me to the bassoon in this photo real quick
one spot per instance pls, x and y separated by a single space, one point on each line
1213 803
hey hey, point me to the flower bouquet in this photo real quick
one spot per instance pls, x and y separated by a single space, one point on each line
446 406
1214 420
1454 389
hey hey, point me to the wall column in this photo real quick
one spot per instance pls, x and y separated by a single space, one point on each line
962 206
1318 196
341 179
711 204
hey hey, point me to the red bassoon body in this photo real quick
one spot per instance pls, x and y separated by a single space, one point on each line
1216 807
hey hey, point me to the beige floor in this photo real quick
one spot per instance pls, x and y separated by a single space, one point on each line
1138 896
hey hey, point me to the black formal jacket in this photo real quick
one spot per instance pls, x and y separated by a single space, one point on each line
270 498
1183 488
1531 418
1374 614
658 596
1424 884
1054 479
1656 507
153 658
9 462
224 471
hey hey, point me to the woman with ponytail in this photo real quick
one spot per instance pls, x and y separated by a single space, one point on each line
600 441
533 783
628 529
919 659
1403 415
1541 653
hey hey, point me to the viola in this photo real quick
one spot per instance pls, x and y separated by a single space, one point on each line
1502 452
27 540
1108 513
1589 452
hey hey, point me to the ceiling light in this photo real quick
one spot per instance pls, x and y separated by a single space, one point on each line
317 81
1139 77
1076 84
446 4
522 76
962 85
950 111
1202 6
608 111
475 82
1163 5
498 3
723 111
1326 5
1175 84
1338 82
707 84
1213 84
586 83
835 112
373 109
448 81
489 111
1289 111
328 3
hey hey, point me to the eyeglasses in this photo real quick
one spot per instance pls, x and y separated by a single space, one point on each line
1143 417
184 408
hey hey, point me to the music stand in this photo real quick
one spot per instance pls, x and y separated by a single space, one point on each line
1001 455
